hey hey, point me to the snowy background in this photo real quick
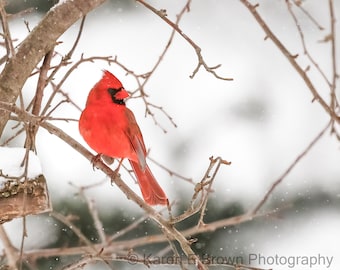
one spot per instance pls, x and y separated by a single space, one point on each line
261 121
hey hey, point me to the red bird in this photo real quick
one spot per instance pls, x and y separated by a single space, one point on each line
110 128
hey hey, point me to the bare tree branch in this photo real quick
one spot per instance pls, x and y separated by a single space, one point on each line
197 49
291 58
40 41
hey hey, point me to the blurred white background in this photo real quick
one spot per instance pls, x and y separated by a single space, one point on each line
261 121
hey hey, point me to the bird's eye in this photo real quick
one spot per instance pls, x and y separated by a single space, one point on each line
113 92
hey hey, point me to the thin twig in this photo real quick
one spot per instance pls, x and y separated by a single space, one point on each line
143 95
304 45
291 58
32 129
74 229
58 86
7 33
16 134
179 16
95 216
298 4
171 172
24 232
126 229
10 251
65 60
42 82
81 263
202 190
160 108
289 169
335 75
209 181
75 44
197 49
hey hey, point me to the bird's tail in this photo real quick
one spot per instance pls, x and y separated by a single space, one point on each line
152 192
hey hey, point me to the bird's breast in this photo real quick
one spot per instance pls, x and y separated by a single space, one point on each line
105 131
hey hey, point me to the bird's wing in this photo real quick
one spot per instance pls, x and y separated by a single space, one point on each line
136 139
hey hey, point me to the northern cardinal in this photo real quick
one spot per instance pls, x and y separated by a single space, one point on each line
110 128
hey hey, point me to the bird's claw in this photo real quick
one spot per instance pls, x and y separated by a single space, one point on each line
95 160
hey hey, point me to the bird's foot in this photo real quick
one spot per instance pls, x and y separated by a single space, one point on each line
95 159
